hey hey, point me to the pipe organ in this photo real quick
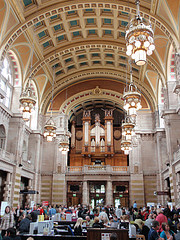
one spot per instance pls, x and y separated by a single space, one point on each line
96 142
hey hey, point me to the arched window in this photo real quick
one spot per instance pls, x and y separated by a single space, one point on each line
2 137
6 82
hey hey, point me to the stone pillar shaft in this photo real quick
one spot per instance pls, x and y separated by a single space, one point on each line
109 193
85 196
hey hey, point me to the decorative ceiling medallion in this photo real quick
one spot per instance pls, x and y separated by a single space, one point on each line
97 91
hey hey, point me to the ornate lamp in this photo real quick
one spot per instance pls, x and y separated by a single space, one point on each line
27 101
126 146
139 38
50 128
128 129
64 143
132 98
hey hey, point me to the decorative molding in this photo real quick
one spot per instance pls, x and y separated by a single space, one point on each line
24 26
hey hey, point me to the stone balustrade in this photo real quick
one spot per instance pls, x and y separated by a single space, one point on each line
98 169
7 157
176 156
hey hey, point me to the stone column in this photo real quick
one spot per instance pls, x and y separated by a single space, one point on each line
7 188
85 194
136 185
109 193
29 196
35 151
172 179
73 143
177 64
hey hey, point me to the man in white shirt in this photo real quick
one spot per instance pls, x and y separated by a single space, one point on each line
118 212
149 221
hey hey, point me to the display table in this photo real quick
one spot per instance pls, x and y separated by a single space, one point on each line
103 233
56 237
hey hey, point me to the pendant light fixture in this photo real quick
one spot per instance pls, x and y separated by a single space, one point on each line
139 38
64 138
64 143
50 128
27 98
128 128
132 98
126 146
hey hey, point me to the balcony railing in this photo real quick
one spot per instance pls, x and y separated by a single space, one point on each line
6 156
98 169
176 156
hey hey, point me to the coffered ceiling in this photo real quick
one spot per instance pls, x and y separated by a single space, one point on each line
84 42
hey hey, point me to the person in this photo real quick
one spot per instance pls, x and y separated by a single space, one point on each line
52 211
11 234
103 215
166 234
118 212
139 222
7 220
177 236
34 214
113 236
167 211
149 221
153 234
17 214
161 218
89 221
135 205
24 225
111 210
78 227
97 224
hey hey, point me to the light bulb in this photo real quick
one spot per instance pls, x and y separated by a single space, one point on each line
152 47
49 138
128 53
137 44
133 56
126 152
133 104
26 116
146 44
45 134
129 47
149 52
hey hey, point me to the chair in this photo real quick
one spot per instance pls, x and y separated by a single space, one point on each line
140 237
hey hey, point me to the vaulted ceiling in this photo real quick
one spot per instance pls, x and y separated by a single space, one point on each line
84 42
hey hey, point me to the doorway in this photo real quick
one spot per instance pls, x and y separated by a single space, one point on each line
97 193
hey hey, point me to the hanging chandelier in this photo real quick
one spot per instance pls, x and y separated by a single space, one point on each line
27 98
50 128
126 146
27 101
139 38
128 129
64 143
132 98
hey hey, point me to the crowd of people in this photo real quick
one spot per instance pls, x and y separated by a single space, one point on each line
154 223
